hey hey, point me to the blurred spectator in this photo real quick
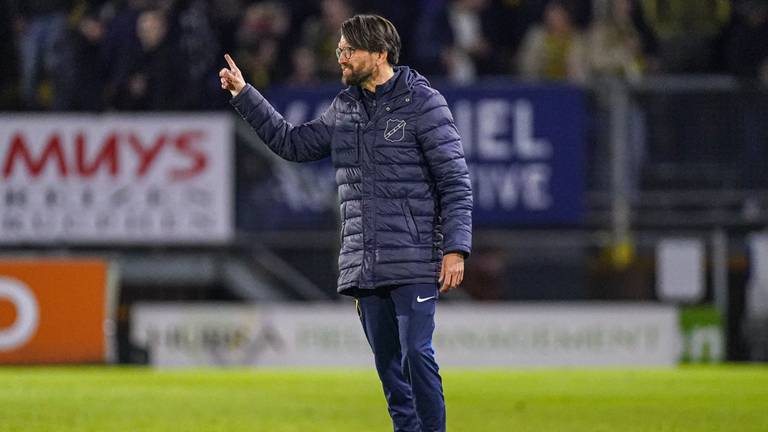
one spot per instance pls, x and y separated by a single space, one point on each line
41 28
615 45
674 17
95 50
648 37
505 23
580 10
156 78
470 50
301 11
83 90
321 35
554 49
8 73
746 44
121 47
686 29
431 37
304 72
199 46
261 46
452 40
615 50
225 17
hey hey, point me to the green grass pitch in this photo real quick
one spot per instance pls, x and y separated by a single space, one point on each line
716 398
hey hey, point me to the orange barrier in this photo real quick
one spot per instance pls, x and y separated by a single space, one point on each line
53 311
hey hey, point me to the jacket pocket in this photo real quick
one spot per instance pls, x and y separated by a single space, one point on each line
410 221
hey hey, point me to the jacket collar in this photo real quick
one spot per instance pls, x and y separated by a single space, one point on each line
396 92
394 87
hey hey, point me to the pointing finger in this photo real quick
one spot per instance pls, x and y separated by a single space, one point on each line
231 62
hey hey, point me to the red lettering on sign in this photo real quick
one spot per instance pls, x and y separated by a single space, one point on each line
146 156
20 151
85 156
185 144
107 156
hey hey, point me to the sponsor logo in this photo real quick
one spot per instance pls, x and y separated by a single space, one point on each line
121 178
27 314
422 300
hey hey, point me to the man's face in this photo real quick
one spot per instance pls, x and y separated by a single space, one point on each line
358 67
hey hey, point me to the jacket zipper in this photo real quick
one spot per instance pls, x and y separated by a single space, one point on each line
362 152
343 224
358 151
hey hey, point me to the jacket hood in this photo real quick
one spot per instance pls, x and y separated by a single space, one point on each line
411 77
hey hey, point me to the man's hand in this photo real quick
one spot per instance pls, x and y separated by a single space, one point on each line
232 78
452 272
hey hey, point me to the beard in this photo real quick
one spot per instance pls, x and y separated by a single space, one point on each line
355 77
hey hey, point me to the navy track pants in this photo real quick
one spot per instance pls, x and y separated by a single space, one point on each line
398 323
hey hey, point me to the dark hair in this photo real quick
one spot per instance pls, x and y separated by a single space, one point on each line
373 33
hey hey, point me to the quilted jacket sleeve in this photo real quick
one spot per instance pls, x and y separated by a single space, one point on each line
307 142
441 144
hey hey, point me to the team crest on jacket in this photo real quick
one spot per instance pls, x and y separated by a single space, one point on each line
395 130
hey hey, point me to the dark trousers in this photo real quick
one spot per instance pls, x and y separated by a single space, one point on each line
398 323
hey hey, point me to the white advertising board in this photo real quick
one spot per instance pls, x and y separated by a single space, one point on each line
159 178
473 335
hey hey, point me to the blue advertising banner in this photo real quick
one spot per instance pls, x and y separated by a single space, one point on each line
525 147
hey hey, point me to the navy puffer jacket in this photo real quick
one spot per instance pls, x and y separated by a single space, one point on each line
403 182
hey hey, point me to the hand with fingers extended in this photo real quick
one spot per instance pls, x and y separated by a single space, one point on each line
452 272
231 79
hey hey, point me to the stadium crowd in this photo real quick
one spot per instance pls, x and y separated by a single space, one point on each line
97 55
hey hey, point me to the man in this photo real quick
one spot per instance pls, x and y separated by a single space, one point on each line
406 204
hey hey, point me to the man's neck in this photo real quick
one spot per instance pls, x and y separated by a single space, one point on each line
382 75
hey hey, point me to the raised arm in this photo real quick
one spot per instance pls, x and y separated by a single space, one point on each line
302 143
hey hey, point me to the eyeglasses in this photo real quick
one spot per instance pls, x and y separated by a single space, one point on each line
346 52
